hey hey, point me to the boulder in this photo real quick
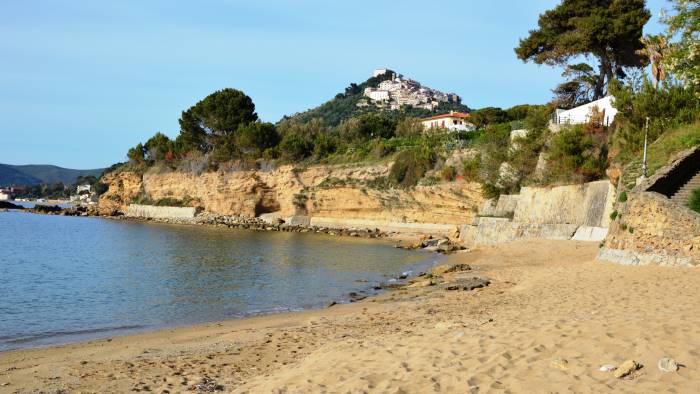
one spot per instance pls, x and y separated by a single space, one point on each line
626 368
467 284
667 364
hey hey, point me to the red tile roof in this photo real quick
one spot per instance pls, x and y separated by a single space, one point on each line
459 115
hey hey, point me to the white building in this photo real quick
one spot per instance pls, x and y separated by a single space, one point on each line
377 95
582 114
83 188
454 121
5 195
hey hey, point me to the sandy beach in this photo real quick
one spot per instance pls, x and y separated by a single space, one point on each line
550 319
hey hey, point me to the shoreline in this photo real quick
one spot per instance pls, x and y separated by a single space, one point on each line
547 301
403 239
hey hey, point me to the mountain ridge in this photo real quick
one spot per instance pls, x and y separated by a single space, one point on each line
35 174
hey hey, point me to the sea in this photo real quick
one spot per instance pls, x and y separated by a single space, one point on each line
69 279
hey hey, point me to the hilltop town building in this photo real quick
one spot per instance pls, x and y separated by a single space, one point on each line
397 92
454 121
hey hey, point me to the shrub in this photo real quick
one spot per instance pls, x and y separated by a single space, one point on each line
470 168
411 165
623 197
448 173
613 215
694 201
576 156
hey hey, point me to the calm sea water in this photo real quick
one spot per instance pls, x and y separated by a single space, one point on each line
65 279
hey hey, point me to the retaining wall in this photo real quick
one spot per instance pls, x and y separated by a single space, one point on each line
652 229
578 212
588 204
155 212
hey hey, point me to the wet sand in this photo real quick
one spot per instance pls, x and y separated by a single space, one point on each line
548 300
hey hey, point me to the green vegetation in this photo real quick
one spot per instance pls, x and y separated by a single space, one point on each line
411 165
694 200
684 59
622 197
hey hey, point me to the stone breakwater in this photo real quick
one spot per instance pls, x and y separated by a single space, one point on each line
428 242
257 224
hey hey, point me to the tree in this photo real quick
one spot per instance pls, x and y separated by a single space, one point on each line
136 154
253 138
656 49
608 30
157 147
684 59
217 115
487 116
579 89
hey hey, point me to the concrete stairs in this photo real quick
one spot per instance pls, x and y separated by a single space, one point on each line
683 194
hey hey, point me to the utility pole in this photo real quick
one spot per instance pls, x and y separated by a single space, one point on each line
644 160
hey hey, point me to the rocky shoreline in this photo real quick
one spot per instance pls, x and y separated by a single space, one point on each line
443 245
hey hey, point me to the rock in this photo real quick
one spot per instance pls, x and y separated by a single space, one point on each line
559 363
447 269
467 284
667 364
443 325
607 368
330 304
207 384
423 283
626 368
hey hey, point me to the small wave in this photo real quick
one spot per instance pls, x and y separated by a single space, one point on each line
17 340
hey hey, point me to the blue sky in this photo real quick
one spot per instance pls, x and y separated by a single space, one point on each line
82 81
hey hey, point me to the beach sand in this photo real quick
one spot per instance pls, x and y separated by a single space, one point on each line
549 300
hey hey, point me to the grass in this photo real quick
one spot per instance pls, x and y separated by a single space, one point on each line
663 150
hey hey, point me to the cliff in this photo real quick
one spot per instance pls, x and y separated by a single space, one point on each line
341 192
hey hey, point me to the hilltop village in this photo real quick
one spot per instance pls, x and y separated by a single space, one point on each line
397 91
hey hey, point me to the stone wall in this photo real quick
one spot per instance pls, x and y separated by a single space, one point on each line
492 231
651 229
588 204
154 212
580 212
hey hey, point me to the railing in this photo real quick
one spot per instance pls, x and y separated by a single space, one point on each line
569 120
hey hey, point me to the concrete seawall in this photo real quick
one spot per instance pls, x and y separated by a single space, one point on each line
155 212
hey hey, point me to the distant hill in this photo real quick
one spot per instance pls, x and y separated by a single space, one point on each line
345 105
35 174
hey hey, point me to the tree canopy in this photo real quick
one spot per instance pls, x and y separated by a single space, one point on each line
608 30
684 60
217 115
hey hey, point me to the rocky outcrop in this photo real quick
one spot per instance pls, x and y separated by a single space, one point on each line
333 192
123 188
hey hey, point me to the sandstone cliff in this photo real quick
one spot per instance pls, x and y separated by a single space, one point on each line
344 192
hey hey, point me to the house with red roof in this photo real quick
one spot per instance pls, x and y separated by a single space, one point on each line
453 121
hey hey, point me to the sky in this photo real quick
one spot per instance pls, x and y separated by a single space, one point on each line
81 81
